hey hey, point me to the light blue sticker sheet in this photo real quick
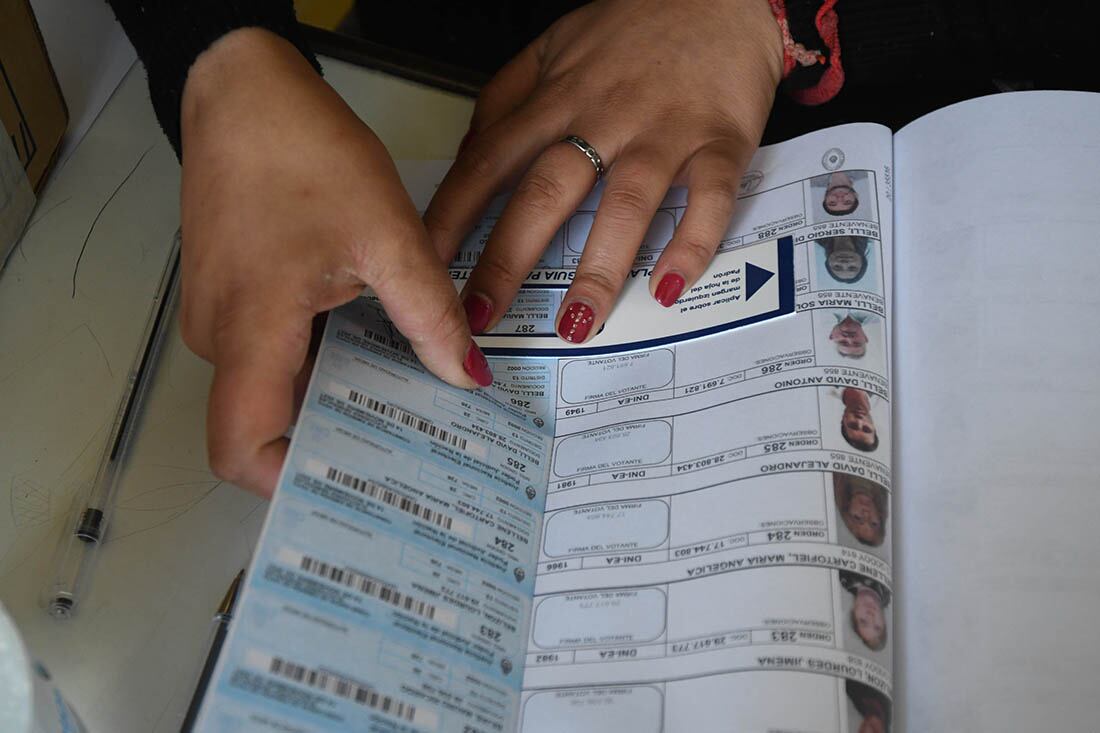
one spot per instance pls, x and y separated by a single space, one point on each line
392 586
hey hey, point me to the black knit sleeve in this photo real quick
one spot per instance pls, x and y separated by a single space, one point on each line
894 42
905 58
170 34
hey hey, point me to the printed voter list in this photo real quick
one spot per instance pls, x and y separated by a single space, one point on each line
681 522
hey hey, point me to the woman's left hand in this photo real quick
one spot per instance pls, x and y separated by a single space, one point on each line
667 92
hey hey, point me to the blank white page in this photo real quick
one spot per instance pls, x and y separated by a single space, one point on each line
997 349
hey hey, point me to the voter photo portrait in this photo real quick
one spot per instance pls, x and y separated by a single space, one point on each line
850 337
865 627
862 506
857 424
847 263
842 195
868 708
855 420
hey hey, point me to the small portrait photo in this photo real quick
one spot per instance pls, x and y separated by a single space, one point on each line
861 418
868 708
863 511
866 607
847 263
842 195
850 337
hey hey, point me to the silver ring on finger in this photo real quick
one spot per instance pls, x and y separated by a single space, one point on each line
590 152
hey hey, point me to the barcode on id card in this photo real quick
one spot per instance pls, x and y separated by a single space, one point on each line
399 345
370 587
408 419
389 497
332 683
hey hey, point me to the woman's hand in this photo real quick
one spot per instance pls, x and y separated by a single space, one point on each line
666 92
290 206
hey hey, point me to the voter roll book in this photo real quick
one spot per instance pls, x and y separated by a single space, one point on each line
761 509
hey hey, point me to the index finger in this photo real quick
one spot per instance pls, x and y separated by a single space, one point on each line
494 156
421 300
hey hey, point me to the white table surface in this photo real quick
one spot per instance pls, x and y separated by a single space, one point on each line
128 660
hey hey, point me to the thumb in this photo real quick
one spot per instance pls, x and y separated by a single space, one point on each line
421 300
258 351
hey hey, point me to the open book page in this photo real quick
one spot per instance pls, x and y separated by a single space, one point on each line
997 346
681 522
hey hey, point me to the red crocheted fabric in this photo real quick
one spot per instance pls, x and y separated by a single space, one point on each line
795 54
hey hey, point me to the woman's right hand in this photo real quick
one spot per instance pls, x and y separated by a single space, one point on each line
290 206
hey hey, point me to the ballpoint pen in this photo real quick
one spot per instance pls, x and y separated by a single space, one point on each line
75 558
217 638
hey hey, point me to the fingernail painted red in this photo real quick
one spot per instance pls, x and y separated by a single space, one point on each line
576 323
669 289
477 366
465 140
478 312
